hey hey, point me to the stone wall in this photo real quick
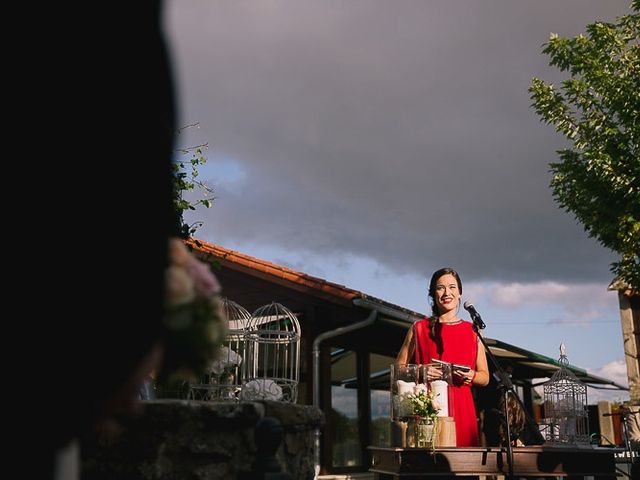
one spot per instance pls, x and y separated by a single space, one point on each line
178 439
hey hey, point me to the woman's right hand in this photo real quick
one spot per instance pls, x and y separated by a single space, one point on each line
434 373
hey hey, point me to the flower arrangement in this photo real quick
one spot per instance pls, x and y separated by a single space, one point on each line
424 405
225 362
194 319
223 374
415 401
418 406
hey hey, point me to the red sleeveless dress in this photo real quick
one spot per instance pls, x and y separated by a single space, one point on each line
456 343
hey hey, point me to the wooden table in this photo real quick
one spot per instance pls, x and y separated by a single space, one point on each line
535 461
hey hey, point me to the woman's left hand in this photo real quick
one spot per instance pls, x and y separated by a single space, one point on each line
466 378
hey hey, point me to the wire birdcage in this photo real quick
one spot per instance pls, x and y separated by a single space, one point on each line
566 419
224 379
272 366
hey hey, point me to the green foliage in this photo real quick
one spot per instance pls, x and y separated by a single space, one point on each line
185 180
598 110
424 405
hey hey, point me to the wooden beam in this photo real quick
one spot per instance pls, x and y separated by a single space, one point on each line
630 341
534 461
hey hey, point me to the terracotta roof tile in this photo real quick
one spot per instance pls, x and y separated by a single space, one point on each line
232 258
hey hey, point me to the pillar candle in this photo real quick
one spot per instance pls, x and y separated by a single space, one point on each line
440 393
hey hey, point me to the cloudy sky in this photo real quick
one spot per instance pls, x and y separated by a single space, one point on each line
371 142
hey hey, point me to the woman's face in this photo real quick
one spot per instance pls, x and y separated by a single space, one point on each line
447 295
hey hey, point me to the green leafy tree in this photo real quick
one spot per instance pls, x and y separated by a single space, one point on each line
598 110
185 181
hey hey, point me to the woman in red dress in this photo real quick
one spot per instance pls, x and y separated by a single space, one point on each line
445 336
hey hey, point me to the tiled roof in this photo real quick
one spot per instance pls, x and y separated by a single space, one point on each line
339 293
233 258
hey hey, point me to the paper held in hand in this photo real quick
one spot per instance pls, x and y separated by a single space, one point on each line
453 366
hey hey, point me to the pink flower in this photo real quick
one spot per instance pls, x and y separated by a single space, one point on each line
187 277
205 282
180 286
194 318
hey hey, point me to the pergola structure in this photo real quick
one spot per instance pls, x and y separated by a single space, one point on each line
357 361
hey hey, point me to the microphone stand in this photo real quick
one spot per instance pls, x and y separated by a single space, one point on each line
507 386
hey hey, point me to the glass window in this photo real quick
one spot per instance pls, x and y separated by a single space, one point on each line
380 400
347 451
380 428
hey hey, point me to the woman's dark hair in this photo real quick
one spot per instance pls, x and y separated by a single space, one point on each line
516 419
435 317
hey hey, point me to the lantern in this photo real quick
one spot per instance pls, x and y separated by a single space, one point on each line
565 407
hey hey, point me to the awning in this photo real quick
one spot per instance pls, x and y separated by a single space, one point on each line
527 365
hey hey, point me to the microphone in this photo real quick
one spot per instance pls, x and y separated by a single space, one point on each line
477 319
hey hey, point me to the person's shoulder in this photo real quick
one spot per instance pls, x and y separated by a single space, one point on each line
468 327
423 323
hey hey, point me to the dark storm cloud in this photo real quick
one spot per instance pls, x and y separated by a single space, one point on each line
396 130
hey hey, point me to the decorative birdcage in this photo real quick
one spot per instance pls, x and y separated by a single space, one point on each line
566 419
224 379
272 366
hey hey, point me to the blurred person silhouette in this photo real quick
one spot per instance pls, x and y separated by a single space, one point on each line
109 255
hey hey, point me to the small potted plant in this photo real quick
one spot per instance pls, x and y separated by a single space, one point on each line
424 408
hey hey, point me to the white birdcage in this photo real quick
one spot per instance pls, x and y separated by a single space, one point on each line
272 359
223 381
566 419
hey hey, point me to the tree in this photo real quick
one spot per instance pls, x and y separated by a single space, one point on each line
598 110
